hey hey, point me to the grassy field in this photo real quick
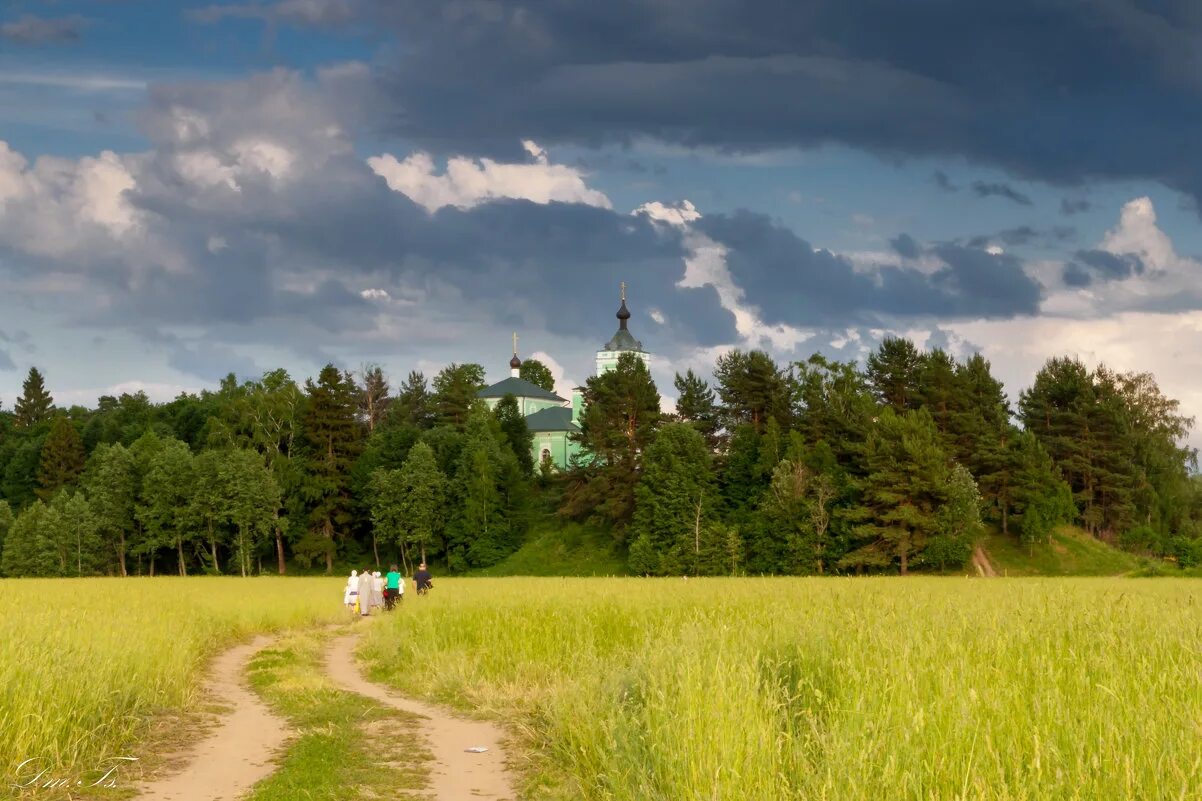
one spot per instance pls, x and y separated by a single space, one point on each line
88 664
919 688
1071 552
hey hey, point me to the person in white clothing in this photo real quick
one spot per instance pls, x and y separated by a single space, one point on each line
352 590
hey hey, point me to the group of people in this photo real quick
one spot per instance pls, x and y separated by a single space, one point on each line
369 590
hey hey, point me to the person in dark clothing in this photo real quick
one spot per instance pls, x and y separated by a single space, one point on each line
422 579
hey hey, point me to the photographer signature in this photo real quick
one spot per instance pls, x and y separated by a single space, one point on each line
34 773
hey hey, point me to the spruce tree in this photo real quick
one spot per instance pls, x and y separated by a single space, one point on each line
517 434
62 458
695 405
676 504
333 441
35 404
538 374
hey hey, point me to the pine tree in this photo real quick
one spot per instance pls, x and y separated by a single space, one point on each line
621 415
893 372
906 485
937 390
413 405
35 404
455 389
836 407
695 405
333 439
676 506
752 388
517 434
538 374
62 458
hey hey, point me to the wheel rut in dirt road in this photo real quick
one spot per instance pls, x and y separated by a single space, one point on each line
239 751
456 775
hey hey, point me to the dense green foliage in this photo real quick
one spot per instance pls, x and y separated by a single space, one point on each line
814 467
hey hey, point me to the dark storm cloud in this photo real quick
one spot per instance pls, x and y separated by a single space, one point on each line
906 246
1090 265
6 362
1077 276
1071 206
1057 90
793 282
998 189
943 182
31 30
1025 235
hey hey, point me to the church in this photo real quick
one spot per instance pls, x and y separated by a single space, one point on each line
550 418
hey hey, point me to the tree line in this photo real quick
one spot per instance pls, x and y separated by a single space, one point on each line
813 467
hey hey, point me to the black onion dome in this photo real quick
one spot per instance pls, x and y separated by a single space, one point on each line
515 362
623 313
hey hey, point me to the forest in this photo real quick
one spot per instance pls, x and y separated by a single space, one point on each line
815 467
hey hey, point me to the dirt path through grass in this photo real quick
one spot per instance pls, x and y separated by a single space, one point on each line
456 774
238 751
980 561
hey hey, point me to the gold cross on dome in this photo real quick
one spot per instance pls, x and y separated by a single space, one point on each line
623 291
515 343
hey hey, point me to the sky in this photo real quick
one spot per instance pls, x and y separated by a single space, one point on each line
189 189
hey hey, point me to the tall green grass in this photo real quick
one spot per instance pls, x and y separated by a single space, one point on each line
88 663
920 688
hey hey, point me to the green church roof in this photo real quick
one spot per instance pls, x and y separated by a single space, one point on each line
623 340
556 418
518 387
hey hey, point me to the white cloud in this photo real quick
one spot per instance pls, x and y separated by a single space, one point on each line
375 294
706 266
468 182
1167 345
563 383
56 207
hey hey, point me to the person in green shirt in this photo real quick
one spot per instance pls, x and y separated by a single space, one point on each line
394 588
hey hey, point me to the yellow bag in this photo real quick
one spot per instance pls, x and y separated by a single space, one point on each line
356 606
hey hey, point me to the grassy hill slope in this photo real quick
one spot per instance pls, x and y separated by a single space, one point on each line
1071 552
562 549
